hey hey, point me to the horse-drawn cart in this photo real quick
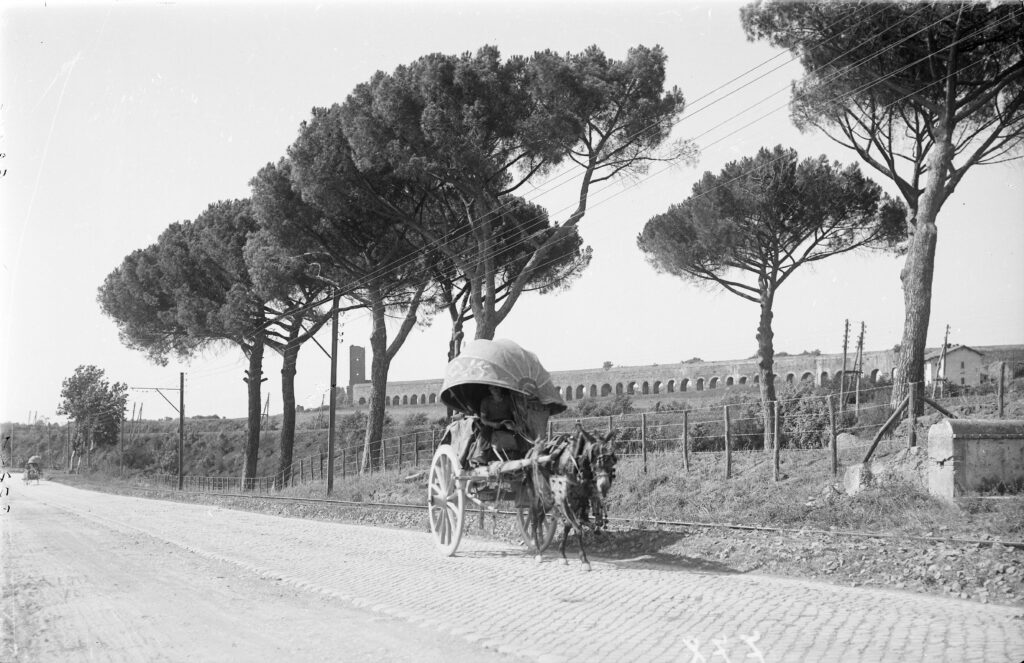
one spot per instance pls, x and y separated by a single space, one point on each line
33 469
493 453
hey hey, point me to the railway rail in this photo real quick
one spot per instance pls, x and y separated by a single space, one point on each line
648 523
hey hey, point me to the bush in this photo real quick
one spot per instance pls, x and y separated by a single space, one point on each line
589 407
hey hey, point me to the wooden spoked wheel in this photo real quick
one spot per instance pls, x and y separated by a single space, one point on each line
446 500
548 525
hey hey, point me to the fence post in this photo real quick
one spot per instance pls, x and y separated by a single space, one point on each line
1001 389
610 423
832 435
728 446
550 428
643 438
686 440
399 452
383 456
912 416
343 463
416 450
433 441
321 466
775 440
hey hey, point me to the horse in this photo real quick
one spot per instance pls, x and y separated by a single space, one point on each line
574 484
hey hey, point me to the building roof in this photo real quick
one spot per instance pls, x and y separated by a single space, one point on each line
936 354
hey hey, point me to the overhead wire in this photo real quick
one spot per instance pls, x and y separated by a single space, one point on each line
597 201
480 259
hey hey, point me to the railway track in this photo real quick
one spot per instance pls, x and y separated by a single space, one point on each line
648 523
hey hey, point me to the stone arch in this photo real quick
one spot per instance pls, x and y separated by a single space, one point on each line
414 399
618 389
657 387
362 401
645 387
713 383
593 391
807 377
606 390
790 377
729 381
567 394
405 399
824 378
396 400
700 384
756 379
684 383
433 398
873 376
581 391
423 399
743 380
631 387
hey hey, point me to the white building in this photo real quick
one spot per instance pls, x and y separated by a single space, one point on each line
962 366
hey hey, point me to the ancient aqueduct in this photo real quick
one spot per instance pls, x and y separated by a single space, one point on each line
653 379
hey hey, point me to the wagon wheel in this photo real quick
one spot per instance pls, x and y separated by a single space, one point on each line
446 500
550 524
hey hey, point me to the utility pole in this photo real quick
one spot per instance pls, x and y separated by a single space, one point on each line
265 419
121 449
180 407
842 376
181 430
859 366
334 390
941 366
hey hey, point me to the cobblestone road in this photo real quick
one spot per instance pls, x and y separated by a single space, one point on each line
499 598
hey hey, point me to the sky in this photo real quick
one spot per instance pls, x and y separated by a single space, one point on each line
118 119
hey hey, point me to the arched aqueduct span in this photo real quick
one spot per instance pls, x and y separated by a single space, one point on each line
661 378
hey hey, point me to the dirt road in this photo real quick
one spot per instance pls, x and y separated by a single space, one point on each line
94 576
80 587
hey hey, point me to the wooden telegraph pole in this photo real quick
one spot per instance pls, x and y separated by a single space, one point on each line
859 367
942 361
842 376
181 430
334 393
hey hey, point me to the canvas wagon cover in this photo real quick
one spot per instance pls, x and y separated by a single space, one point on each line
504 364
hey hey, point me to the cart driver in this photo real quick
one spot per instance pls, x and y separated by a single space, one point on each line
496 420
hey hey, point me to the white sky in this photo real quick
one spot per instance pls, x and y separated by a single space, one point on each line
121 118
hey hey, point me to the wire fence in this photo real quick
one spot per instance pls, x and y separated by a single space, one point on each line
726 439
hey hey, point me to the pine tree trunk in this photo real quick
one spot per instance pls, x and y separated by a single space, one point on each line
485 327
917 274
766 363
454 348
379 365
288 370
252 444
